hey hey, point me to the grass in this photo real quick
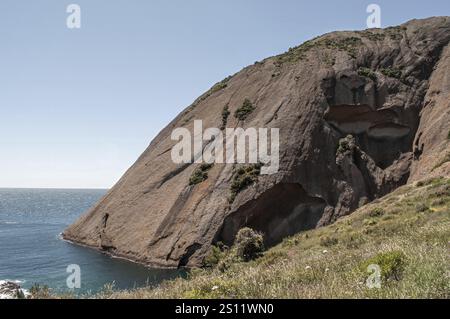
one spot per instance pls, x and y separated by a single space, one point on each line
244 111
376 212
410 248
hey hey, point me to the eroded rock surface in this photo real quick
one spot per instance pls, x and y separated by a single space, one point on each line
359 113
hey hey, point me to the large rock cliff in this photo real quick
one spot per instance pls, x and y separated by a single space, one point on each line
359 113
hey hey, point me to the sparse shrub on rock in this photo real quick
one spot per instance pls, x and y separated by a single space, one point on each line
391 72
244 111
368 73
225 115
244 177
346 145
200 174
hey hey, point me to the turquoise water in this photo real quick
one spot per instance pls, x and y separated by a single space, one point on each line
31 250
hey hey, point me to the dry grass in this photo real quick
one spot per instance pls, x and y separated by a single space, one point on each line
302 267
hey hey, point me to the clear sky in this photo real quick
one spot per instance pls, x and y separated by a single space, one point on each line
77 107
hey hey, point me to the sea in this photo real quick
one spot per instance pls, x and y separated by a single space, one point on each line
33 252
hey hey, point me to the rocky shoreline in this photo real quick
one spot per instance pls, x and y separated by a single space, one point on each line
11 290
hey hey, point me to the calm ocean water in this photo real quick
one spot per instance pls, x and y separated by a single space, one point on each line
31 250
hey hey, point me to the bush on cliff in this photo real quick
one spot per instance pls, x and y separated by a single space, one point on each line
249 244
244 111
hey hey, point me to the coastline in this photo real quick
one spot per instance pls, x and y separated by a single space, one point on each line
110 254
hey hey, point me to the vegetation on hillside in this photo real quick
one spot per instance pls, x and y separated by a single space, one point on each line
392 72
200 174
225 114
409 246
368 73
244 111
243 177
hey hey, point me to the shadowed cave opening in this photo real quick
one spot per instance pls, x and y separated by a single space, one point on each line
281 211
383 134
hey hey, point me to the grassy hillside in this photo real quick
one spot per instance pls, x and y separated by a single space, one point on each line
406 233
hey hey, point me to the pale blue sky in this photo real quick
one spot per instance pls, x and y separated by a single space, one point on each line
77 107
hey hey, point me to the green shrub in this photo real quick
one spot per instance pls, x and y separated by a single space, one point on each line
200 174
244 111
215 255
328 241
391 72
345 145
392 264
368 73
249 244
244 177
448 135
225 115
276 74
420 183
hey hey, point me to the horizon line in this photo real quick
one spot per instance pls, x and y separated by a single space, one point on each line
59 188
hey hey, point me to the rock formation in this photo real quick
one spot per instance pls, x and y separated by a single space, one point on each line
359 113
11 290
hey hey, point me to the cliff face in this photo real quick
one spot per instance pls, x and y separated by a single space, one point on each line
359 113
